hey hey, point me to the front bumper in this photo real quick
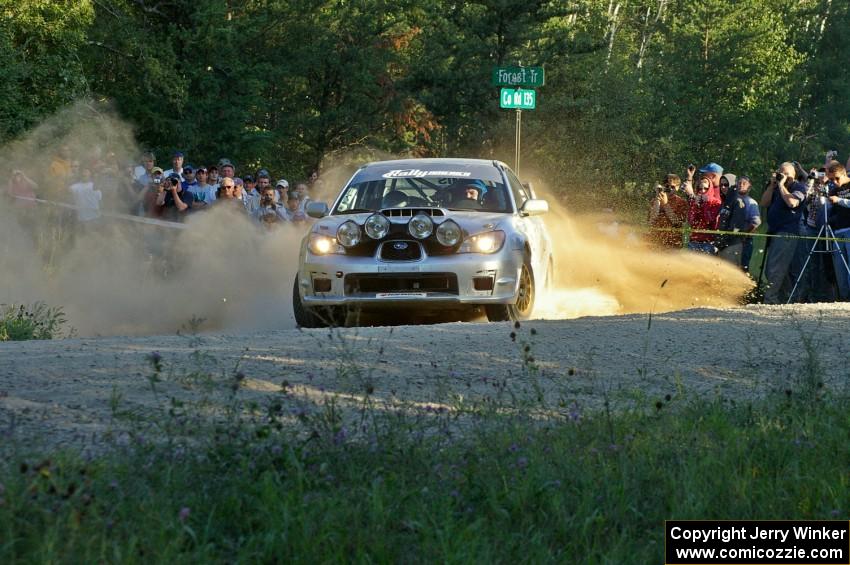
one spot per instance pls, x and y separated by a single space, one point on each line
431 282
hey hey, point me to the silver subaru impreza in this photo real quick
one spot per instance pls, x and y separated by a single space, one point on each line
425 235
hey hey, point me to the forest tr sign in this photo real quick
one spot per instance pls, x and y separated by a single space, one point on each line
518 76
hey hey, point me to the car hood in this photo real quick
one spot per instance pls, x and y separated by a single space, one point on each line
469 221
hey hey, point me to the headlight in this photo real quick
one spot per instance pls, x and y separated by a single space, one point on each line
348 234
377 226
487 242
323 245
420 226
449 233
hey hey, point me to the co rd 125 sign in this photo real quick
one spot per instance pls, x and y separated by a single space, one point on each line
518 99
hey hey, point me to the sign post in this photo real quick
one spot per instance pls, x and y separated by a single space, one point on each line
516 98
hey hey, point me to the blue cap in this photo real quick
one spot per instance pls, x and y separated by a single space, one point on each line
178 154
188 168
712 168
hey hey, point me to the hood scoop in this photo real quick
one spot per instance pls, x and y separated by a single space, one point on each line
410 212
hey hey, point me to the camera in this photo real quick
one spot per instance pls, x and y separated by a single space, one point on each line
157 181
174 181
777 176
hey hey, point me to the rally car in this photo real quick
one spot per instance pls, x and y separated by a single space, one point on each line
424 235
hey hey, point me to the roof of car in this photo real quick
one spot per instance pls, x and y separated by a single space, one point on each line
432 161
483 169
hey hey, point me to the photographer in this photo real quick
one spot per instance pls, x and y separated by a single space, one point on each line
839 221
268 212
667 213
703 209
817 283
783 198
740 213
21 186
172 200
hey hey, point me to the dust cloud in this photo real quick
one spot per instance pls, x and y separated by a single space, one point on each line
603 267
124 277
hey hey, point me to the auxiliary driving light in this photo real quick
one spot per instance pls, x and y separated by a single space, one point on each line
449 233
420 226
377 226
348 234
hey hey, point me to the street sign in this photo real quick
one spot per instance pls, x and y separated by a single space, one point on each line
518 99
518 76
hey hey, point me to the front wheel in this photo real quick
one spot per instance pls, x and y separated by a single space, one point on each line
524 305
320 317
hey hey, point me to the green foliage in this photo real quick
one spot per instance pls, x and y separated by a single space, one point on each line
596 489
634 89
37 321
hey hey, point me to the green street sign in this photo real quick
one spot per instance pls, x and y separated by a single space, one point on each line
518 99
518 76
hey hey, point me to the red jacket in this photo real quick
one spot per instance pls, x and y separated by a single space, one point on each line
703 215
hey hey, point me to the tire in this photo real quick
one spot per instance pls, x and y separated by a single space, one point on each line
524 306
322 317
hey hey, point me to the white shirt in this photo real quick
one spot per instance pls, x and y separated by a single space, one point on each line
87 200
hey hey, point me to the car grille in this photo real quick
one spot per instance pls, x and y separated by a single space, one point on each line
401 282
401 250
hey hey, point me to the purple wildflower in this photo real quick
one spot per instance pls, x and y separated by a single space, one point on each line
835 513
522 462
513 448
184 513
340 436
455 494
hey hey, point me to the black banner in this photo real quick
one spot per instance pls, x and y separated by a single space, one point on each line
757 542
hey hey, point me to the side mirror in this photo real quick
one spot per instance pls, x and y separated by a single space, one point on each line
534 207
317 209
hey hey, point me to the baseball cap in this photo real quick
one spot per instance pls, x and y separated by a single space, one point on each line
744 177
712 168
248 178
174 176
156 171
188 169
282 183
263 173
178 154
223 162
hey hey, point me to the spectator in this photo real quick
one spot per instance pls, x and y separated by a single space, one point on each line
839 221
86 198
21 186
227 192
151 193
202 191
214 180
281 191
303 196
226 168
702 215
267 212
667 213
176 166
252 197
172 200
249 185
782 197
142 173
191 187
742 216
293 211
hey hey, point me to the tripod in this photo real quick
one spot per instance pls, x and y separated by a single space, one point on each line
826 235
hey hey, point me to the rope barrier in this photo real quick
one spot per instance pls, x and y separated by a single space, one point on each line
106 214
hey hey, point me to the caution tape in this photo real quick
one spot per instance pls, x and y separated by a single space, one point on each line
106 214
749 234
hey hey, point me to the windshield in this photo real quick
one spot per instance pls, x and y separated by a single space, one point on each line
438 192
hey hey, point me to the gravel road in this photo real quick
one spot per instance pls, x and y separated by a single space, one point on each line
63 393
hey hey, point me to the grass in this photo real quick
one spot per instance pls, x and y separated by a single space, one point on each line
588 487
19 322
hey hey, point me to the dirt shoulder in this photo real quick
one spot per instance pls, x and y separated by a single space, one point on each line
66 393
